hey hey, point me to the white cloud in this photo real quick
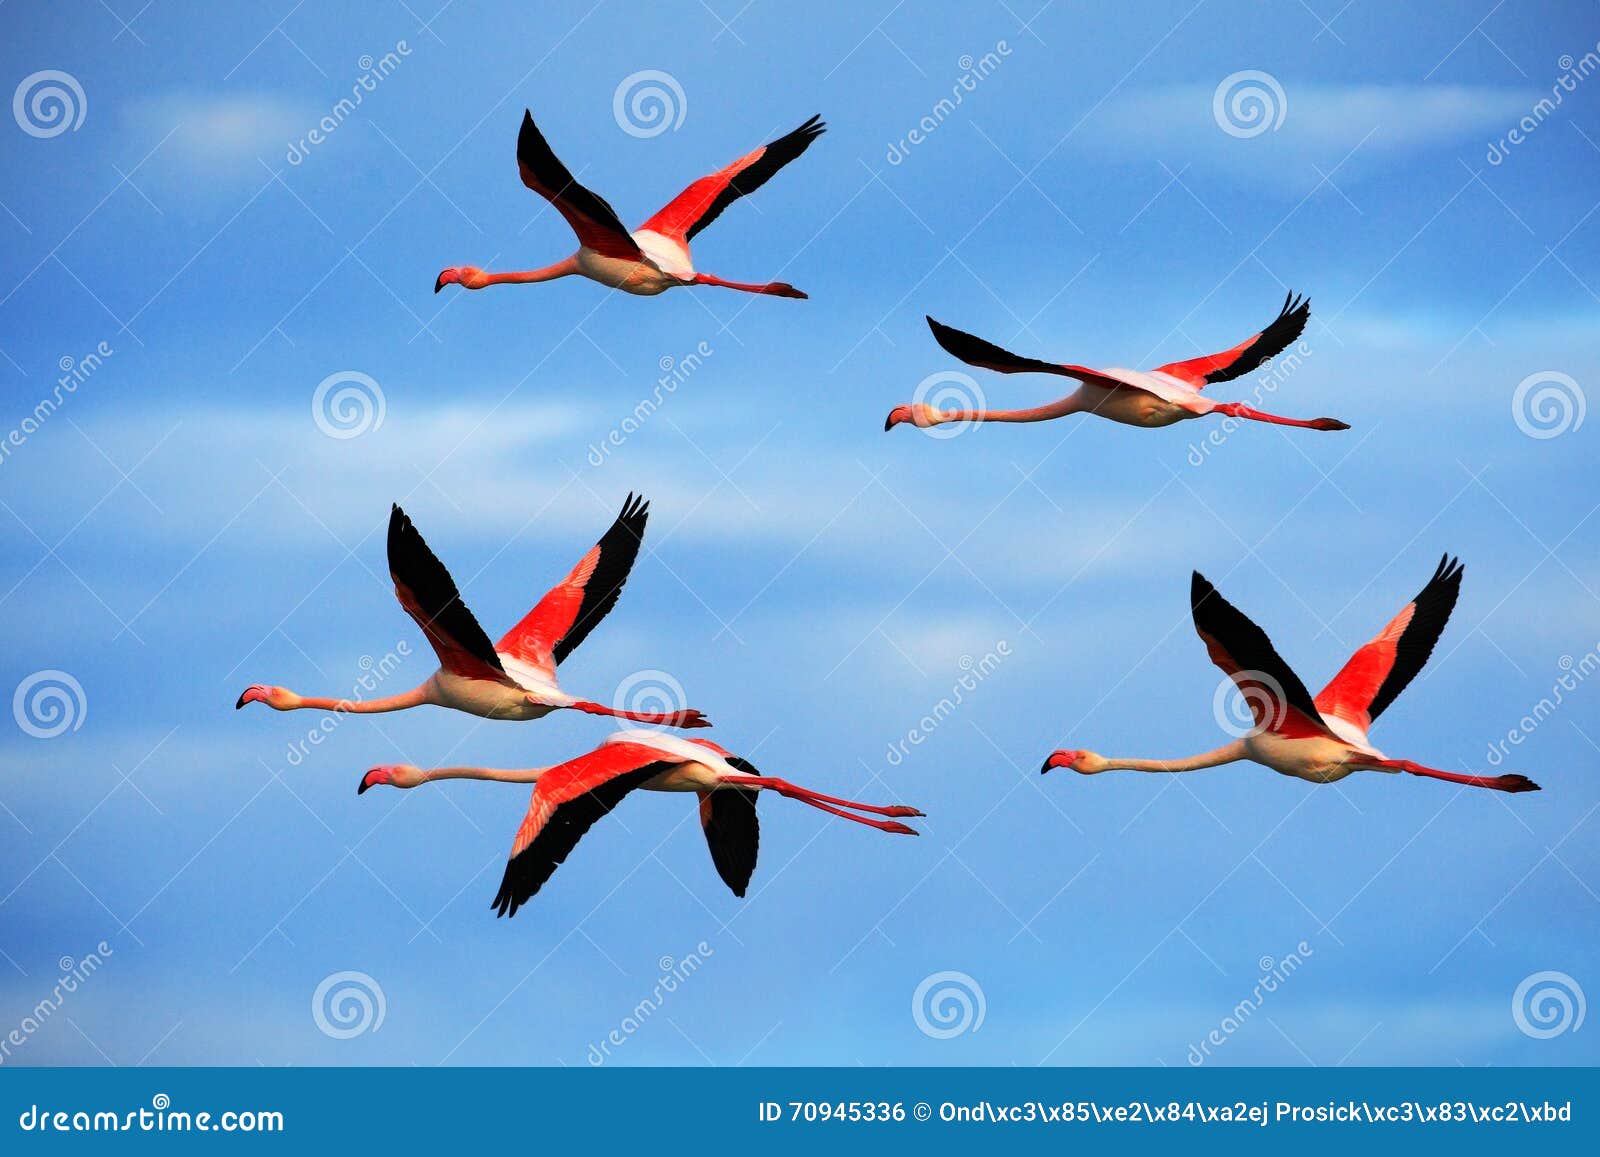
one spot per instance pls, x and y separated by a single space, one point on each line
215 137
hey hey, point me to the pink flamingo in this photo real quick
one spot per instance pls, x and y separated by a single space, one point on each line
1159 397
1319 740
655 258
515 678
570 797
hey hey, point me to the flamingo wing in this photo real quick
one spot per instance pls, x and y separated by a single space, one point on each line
594 221
733 833
1274 693
704 200
569 611
975 351
1248 354
429 595
1380 669
567 800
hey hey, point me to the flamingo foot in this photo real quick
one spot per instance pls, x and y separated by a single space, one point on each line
1329 424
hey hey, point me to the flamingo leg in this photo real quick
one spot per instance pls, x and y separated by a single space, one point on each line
1512 783
825 802
774 288
688 718
1240 410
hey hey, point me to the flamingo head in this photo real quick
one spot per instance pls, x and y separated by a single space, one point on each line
395 775
277 698
466 276
1082 762
917 413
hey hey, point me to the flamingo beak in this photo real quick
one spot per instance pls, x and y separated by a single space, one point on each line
896 416
1059 759
255 694
373 778
439 283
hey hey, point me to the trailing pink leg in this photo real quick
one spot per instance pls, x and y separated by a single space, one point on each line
1511 783
790 791
774 288
686 719
1240 410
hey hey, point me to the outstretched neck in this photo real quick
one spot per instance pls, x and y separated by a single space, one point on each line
1070 404
563 268
412 698
1227 753
496 774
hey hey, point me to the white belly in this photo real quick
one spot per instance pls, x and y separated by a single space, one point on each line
630 276
483 698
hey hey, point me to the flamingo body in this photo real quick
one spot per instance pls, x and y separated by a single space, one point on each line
655 257
1322 739
571 797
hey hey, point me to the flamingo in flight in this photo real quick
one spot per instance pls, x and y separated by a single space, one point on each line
655 257
516 677
570 797
1319 740
1149 398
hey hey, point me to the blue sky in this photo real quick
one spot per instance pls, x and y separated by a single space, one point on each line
180 526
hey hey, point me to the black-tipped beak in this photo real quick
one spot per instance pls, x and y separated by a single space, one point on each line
438 283
888 423
1046 765
239 704
361 787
